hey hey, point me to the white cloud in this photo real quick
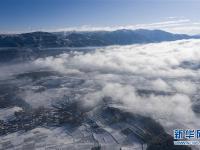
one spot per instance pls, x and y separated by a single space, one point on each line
160 59
171 111
172 24
118 71
160 84
186 87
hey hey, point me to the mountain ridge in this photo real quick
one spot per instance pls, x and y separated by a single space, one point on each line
88 38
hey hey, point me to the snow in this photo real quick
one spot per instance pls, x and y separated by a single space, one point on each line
8 113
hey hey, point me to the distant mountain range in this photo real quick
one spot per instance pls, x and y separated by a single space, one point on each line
92 38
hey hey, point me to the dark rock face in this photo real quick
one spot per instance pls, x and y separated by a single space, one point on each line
81 39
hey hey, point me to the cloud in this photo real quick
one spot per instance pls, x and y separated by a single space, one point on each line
58 65
9 70
172 111
160 84
179 25
119 71
149 60
136 26
174 24
186 87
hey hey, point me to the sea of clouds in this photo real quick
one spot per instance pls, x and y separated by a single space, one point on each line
170 70
121 70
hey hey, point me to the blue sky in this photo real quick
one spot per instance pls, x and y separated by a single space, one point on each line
31 15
